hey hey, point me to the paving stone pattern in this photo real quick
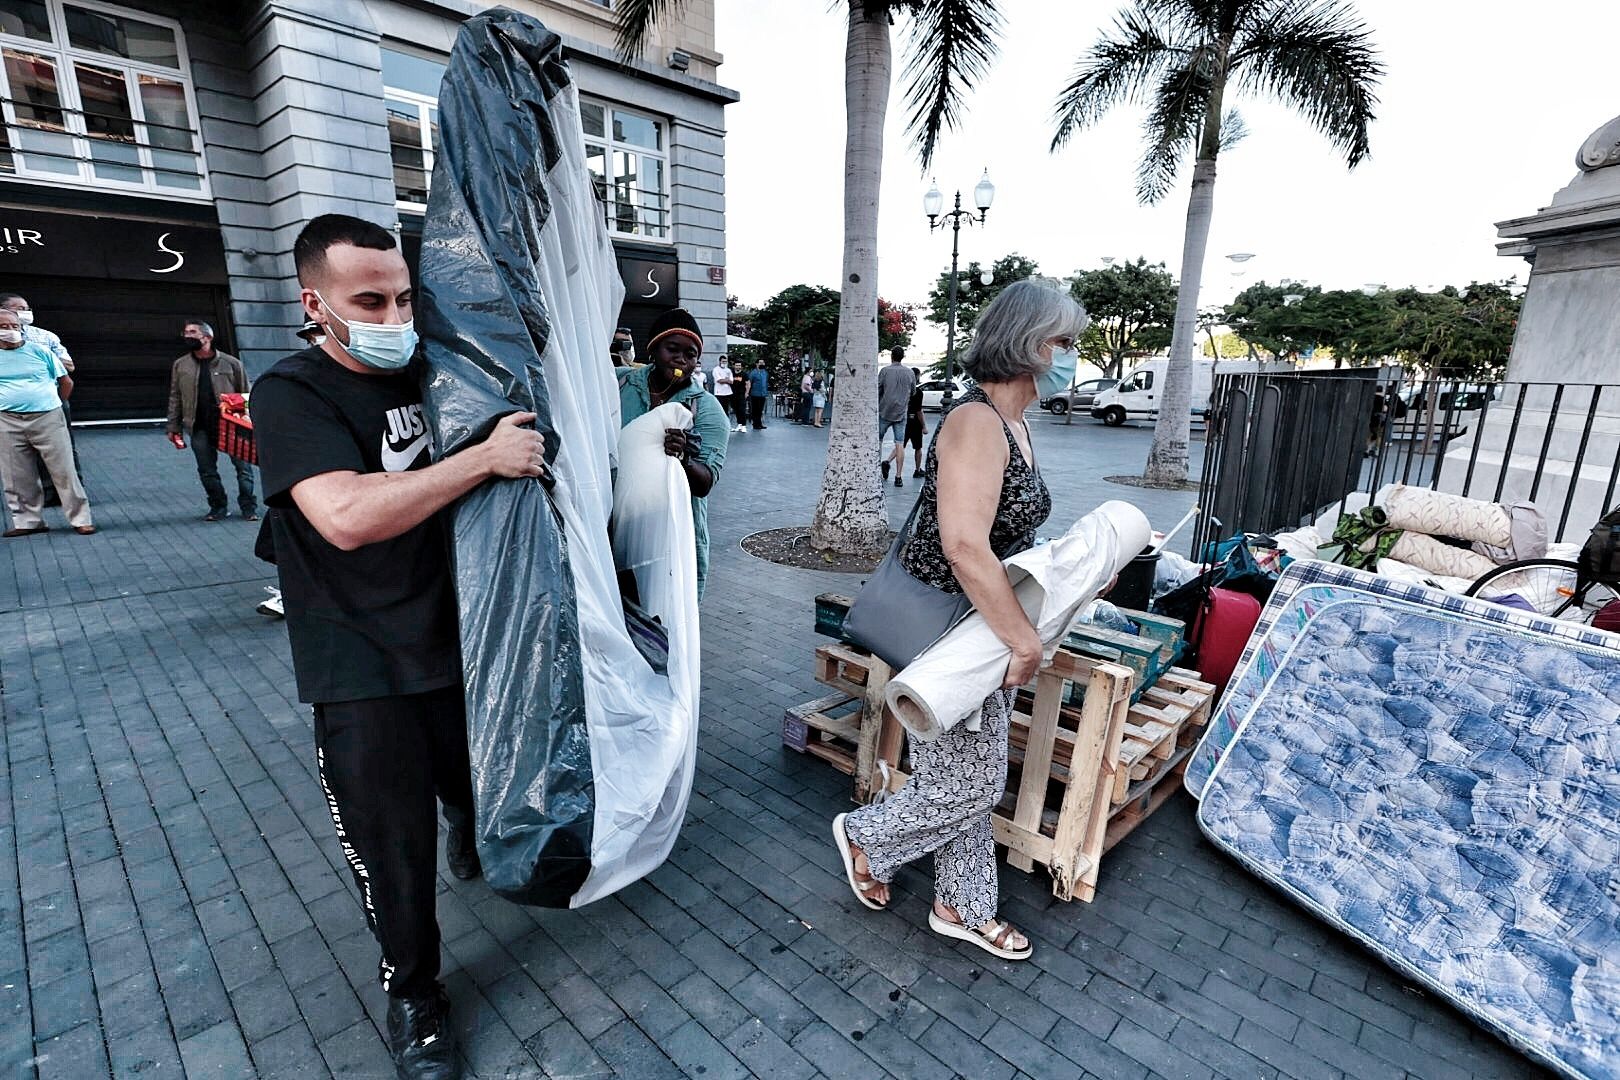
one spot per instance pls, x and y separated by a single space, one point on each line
174 901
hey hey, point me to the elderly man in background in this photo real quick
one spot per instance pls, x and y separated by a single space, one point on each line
38 335
33 431
196 380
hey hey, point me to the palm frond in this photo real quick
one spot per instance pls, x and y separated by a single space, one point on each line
1233 129
635 20
1173 125
1317 56
952 44
1119 68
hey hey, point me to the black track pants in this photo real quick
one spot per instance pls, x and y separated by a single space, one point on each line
382 762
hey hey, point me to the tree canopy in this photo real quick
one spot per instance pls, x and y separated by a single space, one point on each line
1131 306
1466 332
972 295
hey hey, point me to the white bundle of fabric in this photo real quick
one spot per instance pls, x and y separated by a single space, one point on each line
948 683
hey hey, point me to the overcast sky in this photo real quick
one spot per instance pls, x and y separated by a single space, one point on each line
1482 110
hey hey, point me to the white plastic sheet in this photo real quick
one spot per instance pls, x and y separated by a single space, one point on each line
644 742
948 683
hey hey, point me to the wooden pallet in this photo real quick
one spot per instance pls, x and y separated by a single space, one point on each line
1083 777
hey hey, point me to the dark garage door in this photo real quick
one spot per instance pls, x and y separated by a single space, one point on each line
123 336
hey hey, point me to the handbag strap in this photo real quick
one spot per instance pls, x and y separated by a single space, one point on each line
905 530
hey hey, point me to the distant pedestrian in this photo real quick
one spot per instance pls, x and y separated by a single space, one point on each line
982 501
723 391
673 352
623 349
916 428
806 383
759 391
362 548
196 379
34 334
895 383
818 396
33 431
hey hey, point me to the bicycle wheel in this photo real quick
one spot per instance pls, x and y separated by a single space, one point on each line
1549 585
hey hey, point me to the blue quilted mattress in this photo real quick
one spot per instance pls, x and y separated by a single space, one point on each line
1447 791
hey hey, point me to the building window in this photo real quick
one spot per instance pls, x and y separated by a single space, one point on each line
629 159
411 91
626 151
92 94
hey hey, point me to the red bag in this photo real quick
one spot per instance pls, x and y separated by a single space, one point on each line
1222 631
236 429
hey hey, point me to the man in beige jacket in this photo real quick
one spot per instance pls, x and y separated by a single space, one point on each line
196 380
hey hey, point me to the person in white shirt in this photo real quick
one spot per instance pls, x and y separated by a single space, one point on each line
723 391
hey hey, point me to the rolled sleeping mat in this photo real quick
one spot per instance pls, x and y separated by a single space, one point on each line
949 681
1436 513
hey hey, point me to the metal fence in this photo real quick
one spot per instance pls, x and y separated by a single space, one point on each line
1282 448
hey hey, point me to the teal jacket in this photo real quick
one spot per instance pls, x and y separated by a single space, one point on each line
708 420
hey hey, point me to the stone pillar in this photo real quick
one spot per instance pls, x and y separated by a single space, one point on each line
698 204
1569 333
315 76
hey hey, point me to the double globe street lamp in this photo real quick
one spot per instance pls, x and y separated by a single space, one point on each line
934 206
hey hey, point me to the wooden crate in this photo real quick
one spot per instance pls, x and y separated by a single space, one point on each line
852 726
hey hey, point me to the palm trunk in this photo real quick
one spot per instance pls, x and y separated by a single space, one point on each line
1167 457
850 516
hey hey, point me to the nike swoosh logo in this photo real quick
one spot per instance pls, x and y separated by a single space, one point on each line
400 460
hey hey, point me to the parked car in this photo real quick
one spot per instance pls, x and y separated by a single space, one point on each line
1080 396
933 391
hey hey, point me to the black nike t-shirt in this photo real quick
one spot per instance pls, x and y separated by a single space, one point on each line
380 620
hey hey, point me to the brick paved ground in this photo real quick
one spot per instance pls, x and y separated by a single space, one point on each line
174 903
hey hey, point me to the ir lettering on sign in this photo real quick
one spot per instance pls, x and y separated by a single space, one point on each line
14 240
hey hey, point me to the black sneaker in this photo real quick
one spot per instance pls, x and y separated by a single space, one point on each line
898 482
916 472
216 515
461 853
420 1039
885 467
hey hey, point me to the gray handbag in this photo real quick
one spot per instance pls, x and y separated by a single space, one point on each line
896 616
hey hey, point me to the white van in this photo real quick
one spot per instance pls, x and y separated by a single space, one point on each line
1137 395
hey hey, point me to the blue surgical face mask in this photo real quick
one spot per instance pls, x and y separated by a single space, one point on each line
385 346
1057 378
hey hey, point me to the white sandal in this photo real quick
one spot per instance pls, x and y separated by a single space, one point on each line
987 941
860 889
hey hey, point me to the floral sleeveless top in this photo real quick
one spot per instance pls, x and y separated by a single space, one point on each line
1025 503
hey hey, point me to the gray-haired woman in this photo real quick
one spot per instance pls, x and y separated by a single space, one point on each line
982 500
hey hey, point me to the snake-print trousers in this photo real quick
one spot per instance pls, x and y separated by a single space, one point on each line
944 808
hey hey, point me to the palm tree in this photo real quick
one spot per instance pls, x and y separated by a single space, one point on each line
1183 57
952 42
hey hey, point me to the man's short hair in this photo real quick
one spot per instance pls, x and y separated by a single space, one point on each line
327 230
7 297
203 325
897 354
625 330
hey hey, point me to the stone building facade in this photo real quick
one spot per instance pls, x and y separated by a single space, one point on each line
160 157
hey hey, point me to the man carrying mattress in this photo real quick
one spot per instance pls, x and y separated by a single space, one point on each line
673 349
362 547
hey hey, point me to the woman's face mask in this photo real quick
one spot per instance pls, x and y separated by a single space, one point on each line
1060 375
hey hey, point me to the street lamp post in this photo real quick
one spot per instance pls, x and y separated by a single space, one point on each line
933 203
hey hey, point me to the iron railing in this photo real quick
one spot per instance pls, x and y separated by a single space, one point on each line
1283 448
